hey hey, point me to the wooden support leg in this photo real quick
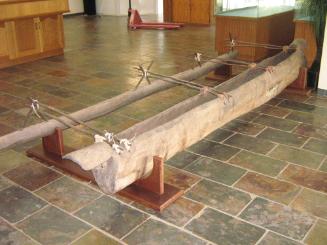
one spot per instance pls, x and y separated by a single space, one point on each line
54 143
299 86
155 182
151 191
51 152
221 74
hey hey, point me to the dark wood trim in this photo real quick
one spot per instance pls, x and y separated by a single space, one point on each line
168 10
32 58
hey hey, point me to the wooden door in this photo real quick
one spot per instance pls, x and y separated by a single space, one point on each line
3 42
23 37
200 11
181 11
52 37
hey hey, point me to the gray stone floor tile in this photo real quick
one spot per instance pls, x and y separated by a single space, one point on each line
111 216
68 194
156 232
10 236
219 196
16 203
279 218
53 226
225 230
215 170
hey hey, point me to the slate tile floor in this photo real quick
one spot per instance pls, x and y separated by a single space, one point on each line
261 179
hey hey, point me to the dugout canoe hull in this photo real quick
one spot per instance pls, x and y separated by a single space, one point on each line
184 124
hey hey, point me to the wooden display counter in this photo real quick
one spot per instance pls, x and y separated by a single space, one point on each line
30 30
260 25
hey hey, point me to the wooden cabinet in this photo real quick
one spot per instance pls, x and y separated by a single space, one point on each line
24 37
189 11
4 53
51 33
31 30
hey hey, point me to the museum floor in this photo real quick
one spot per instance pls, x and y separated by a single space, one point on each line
261 179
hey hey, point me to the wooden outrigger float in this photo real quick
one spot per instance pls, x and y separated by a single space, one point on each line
107 106
135 172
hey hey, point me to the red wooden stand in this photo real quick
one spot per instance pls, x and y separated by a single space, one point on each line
151 191
299 86
221 74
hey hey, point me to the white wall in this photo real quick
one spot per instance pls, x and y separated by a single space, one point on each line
323 67
76 6
120 7
107 7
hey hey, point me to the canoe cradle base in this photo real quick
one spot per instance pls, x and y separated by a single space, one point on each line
151 192
299 86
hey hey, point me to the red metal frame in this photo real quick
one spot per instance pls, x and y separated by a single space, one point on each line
135 22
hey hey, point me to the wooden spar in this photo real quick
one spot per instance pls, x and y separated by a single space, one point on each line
46 128
186 123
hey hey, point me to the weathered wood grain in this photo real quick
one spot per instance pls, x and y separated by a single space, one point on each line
186 123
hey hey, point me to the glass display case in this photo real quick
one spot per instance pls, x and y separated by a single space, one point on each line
253 8
256 21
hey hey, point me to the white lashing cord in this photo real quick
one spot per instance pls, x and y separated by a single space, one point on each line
197 58
124 144
35 107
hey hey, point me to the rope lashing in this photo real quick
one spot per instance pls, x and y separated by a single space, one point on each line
232 44
252 65
226 97
144 73
197 58
117 148
34 109
270 69
204 90
126 144
232 41
286 48
108 138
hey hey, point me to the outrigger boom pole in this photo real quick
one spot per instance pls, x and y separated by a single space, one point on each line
46 128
